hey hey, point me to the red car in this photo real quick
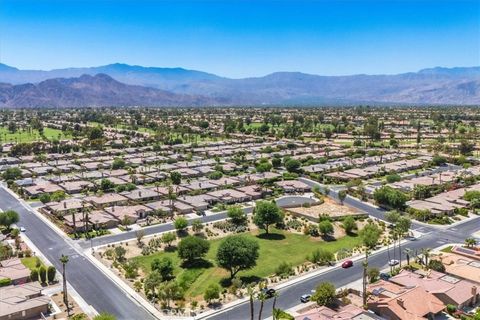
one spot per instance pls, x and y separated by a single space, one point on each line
347 264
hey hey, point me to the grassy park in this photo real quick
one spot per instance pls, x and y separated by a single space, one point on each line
293 248
20 136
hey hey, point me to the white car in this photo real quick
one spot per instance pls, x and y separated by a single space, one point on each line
22 229
393 262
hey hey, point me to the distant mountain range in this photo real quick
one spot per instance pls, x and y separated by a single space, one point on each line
125 85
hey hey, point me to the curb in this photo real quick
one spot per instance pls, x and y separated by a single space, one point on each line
88 309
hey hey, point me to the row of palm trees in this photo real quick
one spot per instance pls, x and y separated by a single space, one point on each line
262 297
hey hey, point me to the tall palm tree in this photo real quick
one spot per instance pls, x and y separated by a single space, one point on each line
407 252
364 279
275 296
86 211
426 253
399 236
74 223
470 242
64 261
262 297
251 294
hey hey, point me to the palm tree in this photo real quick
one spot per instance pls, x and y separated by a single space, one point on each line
364 280
86 211
470 242
64 261
407 253
74 223
426 254
251 294
275 296
171 197
262 297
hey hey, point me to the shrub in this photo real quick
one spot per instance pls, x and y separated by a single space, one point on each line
5 282
321 256
42 272
324 294
436 265
391 178
44 198
212 292
451 308
34 275
51 272
164 267
284 269
180 223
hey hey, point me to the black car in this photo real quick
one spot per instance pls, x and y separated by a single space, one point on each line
384 276
268 292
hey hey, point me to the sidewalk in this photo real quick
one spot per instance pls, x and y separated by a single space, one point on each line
448 226
88 309
135 296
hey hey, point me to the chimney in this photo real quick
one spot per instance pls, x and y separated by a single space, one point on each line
401 302
474 295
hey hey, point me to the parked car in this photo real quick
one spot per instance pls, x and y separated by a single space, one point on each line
305 298
22 229
347 264
384 276
393 262
268 292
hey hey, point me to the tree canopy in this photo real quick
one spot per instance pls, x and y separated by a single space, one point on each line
266 214
236 253
192 248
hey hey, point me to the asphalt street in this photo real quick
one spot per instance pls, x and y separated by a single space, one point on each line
99 291
290 296
95 288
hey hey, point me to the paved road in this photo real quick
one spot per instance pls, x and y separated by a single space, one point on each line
289 297
95 288
286 201
148 231
371 210
99 291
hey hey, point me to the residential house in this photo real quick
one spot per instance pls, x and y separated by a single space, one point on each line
348 312
24 301
133 213
68 205
108 199
447 288
392 301
229 196
142 195
293 186
14 270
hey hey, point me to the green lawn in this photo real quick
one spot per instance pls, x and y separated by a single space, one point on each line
30 136
30 262
447 249
282 246
254 125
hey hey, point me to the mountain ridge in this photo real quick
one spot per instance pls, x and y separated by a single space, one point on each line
438 85
99 90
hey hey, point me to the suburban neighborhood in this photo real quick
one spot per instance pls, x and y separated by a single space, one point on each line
190 222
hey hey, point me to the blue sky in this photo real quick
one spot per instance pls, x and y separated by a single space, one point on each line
242 38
